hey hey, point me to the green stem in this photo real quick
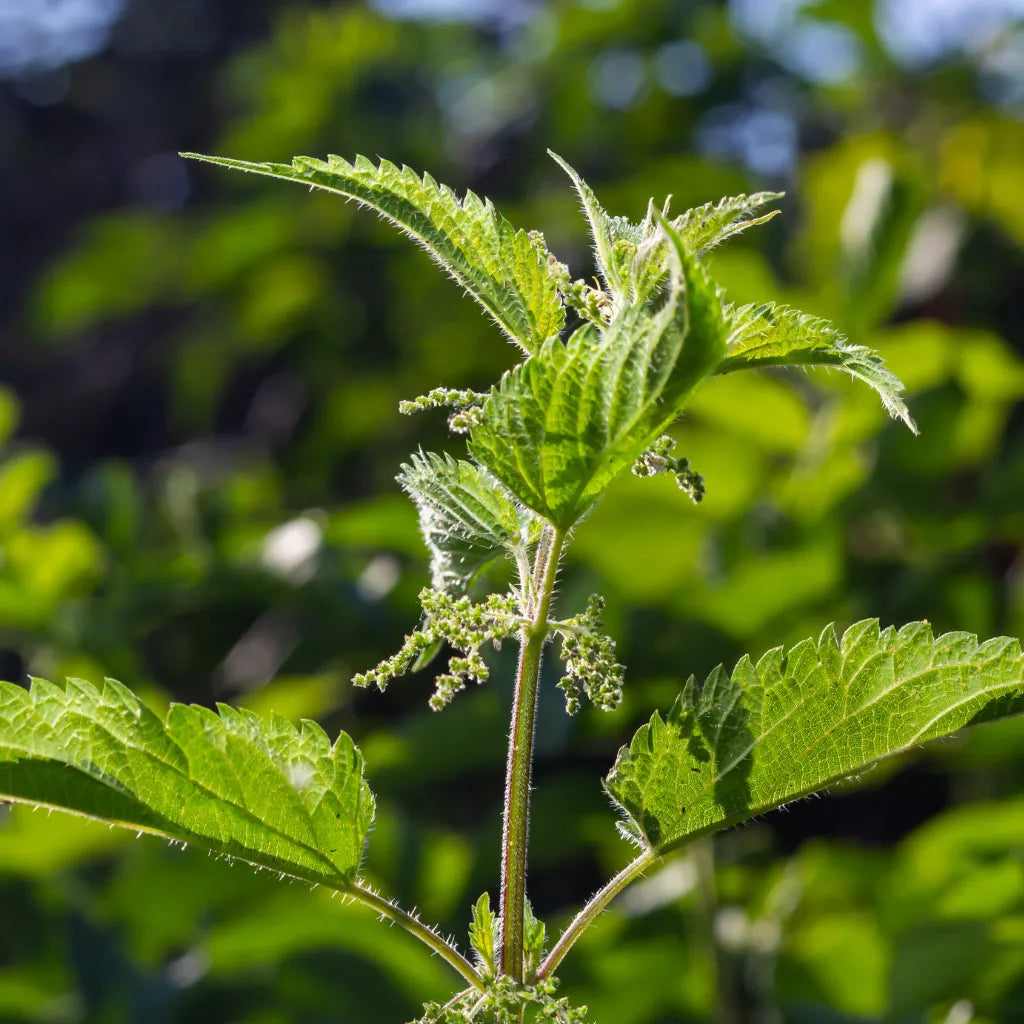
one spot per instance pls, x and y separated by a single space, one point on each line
414 926
727 1000
594 906
520 756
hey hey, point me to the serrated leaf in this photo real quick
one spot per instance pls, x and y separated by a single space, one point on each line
466 518
505 270
485 933
798 720
561 425
604 229
263 791
631 257
770 335
534 939
700 229
706 227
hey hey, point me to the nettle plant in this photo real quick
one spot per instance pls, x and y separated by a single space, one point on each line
584 405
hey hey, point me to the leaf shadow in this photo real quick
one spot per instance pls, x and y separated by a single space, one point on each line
724 723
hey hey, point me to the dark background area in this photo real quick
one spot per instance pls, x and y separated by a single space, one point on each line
200 436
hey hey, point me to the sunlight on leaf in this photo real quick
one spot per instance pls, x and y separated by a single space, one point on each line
505 270
770 335
465 516
798 720
263 791
559 427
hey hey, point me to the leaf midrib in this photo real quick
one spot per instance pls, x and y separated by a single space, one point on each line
839 722
458 265
612 442
197 783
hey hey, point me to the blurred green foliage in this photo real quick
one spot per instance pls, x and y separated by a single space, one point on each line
202 505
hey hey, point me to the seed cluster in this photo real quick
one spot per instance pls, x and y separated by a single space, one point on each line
590 665
659 459
467 406
463 624
592 304
504 1003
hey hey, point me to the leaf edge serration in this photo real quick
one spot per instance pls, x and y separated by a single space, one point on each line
130 741
462 235
721 692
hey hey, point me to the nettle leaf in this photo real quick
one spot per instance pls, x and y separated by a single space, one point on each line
632 258
605 231
485 934
801 719
701 229
260 790
706 227
505 270
466 518
561 425
771 335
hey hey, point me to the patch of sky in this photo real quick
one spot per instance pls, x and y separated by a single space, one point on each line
824 52
763 139
682 68
765 19
915 32
927 31
37 36
502 11
821 51
1002 71
619 78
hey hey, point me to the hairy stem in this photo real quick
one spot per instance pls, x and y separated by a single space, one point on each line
520 756
595 905
414 926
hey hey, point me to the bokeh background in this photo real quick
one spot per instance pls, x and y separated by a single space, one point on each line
200 435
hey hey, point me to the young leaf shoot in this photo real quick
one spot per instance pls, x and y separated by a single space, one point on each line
605 371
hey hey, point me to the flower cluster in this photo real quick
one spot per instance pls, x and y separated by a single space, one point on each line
590 665
659 459
592 304
502 1000
463 624
504 1003
466 405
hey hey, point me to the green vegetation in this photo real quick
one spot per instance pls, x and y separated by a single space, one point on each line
546 443
198 456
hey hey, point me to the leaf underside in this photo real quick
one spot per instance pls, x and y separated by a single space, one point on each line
465 516
259 790
561 425
770 335
801 719
505 270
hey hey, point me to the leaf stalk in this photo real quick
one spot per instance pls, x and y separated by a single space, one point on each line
414 926
594 906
